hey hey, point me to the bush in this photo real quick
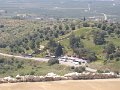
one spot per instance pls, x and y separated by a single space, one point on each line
72 67
2 60
85 24
82 36
117 59
111 56
53 61
92 57
107 71
19 66
79 69
1 26
32 73
117 54
100 71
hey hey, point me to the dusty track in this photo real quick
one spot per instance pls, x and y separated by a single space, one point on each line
112 84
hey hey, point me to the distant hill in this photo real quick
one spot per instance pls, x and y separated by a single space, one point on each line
49 0
56 8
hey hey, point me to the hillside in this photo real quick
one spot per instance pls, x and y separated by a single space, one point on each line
13 67
91 40
98 49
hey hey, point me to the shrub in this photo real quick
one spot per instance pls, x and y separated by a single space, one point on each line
72 67
92 57
111 56
79 69
53 61
32 73
82 36
107 71
117 59
2 60
100 71
1 26
19 66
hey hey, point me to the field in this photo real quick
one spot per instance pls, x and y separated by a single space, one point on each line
112 84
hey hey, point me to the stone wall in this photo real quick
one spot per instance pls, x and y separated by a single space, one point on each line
55 77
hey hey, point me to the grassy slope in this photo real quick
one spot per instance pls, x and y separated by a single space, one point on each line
85 31
115 66
29 66
88 43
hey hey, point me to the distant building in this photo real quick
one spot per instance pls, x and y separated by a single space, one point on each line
22 15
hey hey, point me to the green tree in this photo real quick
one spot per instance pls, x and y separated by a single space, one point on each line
32 44
84 19
104 27
37 42
99 25
59 51
51 43
60 27
56 35
66 27
1 26
75 42
55 27
85 24
110 48
117 31
91 57
117 53
99 37
73 26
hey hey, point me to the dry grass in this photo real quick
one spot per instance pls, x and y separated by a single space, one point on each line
112 84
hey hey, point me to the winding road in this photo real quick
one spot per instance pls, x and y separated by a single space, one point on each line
22 57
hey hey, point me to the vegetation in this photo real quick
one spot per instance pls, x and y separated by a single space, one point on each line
91 40
58 51
79 69
53 61
103 66
22 36
12 67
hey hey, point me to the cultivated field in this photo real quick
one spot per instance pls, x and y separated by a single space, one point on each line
110 84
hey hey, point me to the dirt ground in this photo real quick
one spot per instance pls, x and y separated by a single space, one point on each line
111 84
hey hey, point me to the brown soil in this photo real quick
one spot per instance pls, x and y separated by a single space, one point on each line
112 84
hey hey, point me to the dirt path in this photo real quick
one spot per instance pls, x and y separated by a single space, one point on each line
22 57
112 84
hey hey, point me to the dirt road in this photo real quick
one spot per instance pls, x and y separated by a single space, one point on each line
22 57
112 84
